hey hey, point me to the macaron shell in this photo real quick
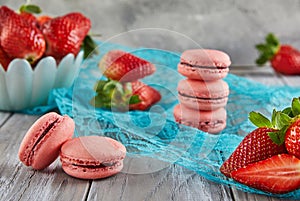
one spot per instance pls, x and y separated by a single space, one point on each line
205 58
213 121
204 64
82 156
40 153
200 95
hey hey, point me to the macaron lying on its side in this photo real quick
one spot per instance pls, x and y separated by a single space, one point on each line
204 64
42 142
211 121
203 95
92 157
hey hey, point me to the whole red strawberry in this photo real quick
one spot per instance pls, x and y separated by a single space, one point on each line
65 34
284 59
125 67
292 135
19 38
117 96
256 146
146 94
278 174
292 139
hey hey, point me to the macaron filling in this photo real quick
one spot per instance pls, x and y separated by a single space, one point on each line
40 138
103 165
201 98
208 67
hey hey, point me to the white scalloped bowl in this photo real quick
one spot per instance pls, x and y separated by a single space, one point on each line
22 87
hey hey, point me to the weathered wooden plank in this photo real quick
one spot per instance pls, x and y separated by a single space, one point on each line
18 182
3 117
171 183
291 80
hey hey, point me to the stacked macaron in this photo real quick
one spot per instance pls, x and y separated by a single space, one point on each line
203 95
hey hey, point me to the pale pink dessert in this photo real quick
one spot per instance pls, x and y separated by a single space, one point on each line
204 64
92 157
213 121
200 95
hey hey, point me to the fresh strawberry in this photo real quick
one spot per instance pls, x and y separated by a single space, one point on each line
65 34
256 146
284 59
4 59
278 174
292 139
5 13
30 18
19 38
292 135
125 67
147 95
117 96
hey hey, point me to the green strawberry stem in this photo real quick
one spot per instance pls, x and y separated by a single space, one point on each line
268 49
280 120
89 47
111 94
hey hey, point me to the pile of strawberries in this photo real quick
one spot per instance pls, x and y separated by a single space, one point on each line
268 158
25 36
123 91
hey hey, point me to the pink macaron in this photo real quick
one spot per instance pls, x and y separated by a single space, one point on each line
200 95
42 142
92 157
204 64
213 121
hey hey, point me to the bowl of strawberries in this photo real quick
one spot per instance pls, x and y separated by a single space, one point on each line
38 54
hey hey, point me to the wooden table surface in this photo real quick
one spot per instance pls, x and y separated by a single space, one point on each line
18 182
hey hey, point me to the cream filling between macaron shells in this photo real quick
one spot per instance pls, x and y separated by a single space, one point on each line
89 164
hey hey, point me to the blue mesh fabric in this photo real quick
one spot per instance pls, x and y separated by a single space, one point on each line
155 134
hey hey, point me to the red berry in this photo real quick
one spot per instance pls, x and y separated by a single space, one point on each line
125 67
147 95
30 18
65 34
292 139
256 146
286 60
277 174
19 38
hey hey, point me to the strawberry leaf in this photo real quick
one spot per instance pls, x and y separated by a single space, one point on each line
273 119
30 8
259 120
134 99
277 137
296 106
268 49
288 111
89 47
272 40
282 120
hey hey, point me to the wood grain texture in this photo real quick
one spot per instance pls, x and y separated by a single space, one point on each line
18 182
3 117
171 183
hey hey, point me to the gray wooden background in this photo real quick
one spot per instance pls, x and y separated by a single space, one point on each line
234 26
